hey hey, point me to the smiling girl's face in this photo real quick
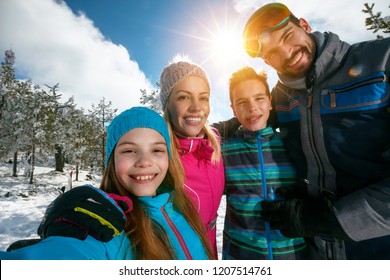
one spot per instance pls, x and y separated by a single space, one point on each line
141 161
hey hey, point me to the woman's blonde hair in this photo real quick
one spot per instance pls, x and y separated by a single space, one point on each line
148 239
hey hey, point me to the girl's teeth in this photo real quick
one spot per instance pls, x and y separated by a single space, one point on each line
144 178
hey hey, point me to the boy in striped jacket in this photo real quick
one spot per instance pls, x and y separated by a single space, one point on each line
256 168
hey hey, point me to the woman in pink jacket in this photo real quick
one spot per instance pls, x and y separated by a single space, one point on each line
185 95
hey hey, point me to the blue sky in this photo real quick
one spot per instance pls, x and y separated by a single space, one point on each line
154 31
112 49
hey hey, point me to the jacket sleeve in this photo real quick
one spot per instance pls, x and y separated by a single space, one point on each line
227 128
61 248
365 214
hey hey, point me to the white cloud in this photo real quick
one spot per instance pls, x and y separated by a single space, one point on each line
53 45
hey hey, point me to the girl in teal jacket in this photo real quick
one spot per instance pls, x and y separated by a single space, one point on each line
162 224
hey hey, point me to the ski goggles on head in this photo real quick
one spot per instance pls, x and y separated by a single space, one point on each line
268 18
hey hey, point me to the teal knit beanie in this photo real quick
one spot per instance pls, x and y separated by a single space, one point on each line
134 118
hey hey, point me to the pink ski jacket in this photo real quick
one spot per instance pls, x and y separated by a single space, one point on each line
204 181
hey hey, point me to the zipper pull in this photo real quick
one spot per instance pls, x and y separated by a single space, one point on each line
272 193
309 86
309 99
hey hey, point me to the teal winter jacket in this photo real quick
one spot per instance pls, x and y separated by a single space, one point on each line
183 239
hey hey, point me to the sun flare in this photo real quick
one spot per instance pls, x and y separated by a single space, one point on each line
218 39
227 45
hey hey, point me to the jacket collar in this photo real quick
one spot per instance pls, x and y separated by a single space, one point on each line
155 202
247 135
330 53
199 147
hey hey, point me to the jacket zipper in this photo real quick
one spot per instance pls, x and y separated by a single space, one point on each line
265 195
321 171
177 234
332 92
311 138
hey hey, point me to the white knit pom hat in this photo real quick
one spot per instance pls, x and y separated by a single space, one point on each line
174 73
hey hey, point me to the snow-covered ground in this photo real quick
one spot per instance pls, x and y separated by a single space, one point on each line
22 205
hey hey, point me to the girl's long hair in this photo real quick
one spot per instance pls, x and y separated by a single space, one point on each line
149 240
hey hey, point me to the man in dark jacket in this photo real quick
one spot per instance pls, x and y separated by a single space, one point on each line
333 108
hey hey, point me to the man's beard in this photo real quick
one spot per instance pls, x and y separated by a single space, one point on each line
304 68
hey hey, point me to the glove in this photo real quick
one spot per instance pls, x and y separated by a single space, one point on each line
288 193
22 243
301 218
84 211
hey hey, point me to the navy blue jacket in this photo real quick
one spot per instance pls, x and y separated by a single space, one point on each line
337 130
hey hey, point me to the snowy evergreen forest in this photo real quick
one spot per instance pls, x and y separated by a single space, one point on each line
35 126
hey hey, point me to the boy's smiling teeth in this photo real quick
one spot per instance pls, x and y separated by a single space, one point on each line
254 118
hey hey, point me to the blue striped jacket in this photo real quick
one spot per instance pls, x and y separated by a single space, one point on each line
256 165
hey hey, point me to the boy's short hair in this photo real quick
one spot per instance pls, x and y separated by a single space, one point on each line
245 74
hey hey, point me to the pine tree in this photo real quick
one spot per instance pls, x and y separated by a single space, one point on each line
83 139
12 122
375 21
58 128
39 112
102 115
151 100
7 77
66 113
78 135
7 93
